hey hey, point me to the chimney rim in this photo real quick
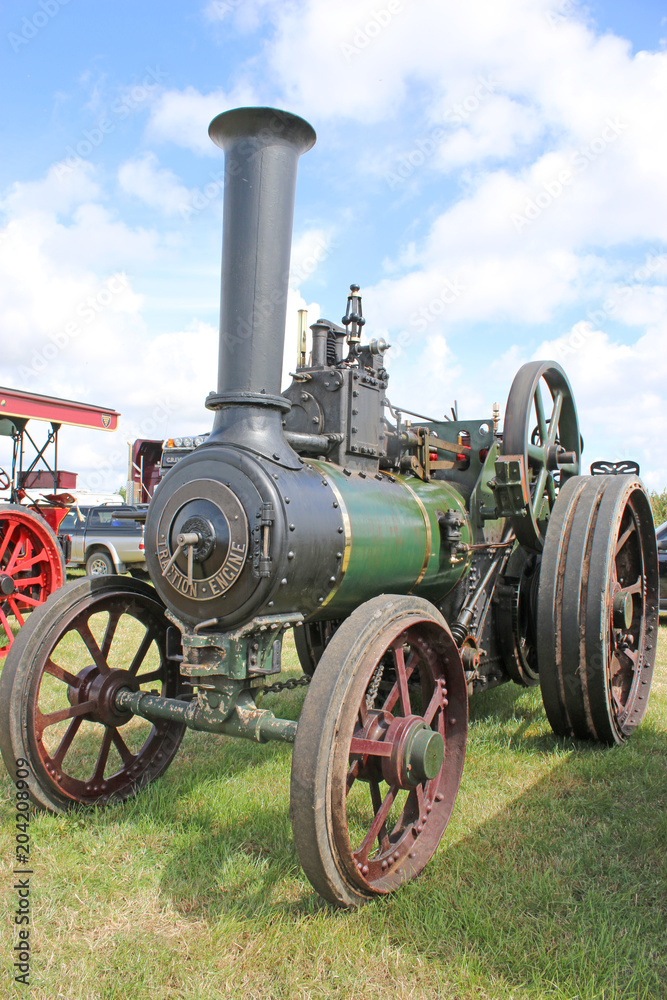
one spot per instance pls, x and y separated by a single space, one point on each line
262 126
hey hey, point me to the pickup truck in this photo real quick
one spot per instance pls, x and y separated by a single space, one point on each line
95 537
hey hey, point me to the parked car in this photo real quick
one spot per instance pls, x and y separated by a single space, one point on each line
661 535
103 542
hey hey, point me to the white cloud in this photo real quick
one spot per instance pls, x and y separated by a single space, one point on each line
309 251
547 138
246 14
183 116
158 187
63 187
620 395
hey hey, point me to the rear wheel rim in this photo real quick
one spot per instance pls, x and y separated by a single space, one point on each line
598 609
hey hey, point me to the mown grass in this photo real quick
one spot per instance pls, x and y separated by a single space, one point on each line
550 882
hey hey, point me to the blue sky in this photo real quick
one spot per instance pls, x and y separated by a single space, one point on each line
491 174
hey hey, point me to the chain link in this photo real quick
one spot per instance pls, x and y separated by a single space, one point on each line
293 682
374 687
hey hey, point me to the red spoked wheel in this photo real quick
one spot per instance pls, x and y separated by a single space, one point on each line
58 687
32 566
379 750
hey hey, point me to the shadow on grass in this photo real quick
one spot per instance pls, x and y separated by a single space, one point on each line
565 889
563 892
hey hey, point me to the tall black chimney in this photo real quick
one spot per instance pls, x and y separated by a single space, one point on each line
262 147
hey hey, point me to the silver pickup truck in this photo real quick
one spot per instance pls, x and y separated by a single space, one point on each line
95 537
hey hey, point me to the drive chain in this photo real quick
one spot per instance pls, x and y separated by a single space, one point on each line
293 682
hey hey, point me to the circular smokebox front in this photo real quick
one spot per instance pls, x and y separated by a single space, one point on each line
199 547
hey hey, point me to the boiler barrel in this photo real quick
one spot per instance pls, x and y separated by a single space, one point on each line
393 538
314 540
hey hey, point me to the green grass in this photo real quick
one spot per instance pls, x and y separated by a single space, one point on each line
551 880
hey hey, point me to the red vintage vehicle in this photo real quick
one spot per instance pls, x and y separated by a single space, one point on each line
31 560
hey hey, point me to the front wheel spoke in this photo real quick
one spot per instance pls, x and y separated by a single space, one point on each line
379 820
352 775
419 795
376 802
110 632
395 691
44 721
140 654
402 679
154 675
103 755
436 703
370 748
126 754
66 741
92 647
62 675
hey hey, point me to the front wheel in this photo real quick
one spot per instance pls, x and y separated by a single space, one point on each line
379 750
57 691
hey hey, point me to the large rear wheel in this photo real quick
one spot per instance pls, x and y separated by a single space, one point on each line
597 614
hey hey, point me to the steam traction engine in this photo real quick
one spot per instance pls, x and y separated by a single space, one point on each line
417 562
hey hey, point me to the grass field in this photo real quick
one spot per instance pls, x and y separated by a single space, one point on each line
551 880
